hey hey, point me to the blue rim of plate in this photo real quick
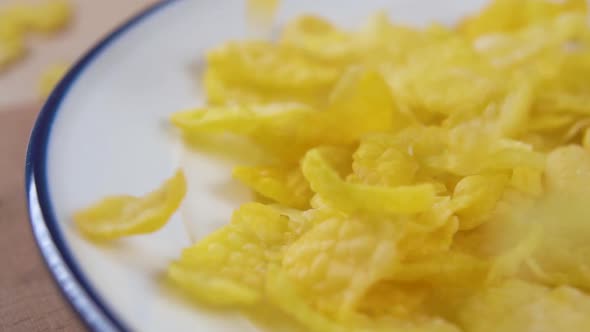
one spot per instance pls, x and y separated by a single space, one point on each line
74 285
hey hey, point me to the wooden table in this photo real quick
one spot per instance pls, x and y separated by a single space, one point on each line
29 299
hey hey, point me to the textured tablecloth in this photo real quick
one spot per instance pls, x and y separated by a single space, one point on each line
92 20
29 299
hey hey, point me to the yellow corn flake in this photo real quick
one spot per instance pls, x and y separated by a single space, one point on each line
214 291
262 10
562 256
543 241
11 49
341 256
429 151
474 148
338 259
576 130
283 185
46 17
118 216
281 130
586 139
238 119
431 80
456 271
505 16
447 268
339 158
568 103
362 248
510 263
320 40
11 41
527 180
568 169
270 73
507 228
420 238
515 111
394 299
236 254
517 306
283 293
537 51
379 161
357 197
475 198
548 122
19 20
50 78
232 261
361 103
284 68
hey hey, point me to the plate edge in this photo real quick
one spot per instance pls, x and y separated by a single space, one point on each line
66 273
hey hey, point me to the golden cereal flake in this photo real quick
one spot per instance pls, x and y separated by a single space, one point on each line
474 148
515 110
262 11
270 72
568 169
338 259
236 255
518 306
443 79
320 40
50 77
430 232
586 139
508 16
283 185
562 255
19 20
360 104
527 180
283 293
475 198
125 215
351 197
379 161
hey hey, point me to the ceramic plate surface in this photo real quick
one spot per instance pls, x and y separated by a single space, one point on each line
103 131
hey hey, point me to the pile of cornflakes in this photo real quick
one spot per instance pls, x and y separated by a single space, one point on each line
19 20
418 179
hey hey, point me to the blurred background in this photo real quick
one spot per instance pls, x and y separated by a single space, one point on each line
29 300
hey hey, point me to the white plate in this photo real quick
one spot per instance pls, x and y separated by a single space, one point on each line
103 131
